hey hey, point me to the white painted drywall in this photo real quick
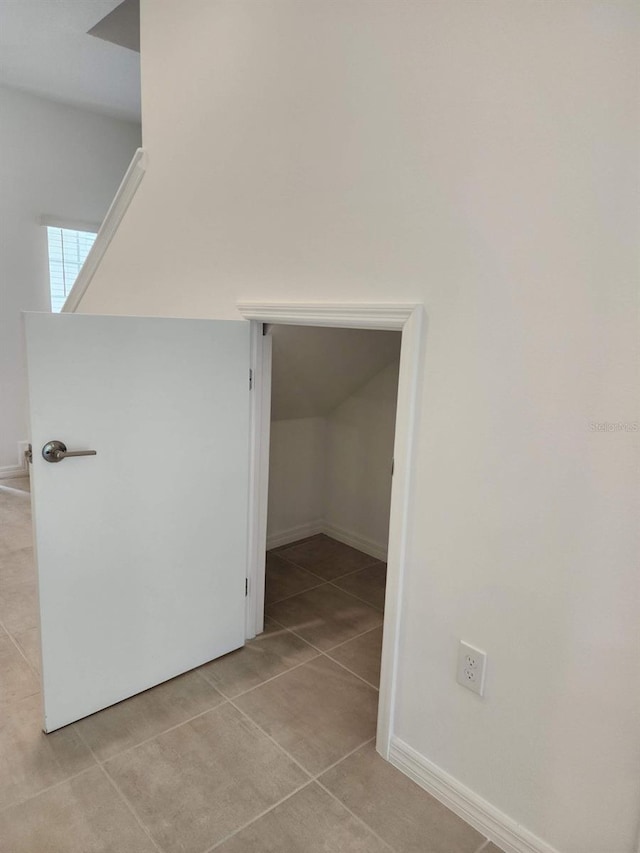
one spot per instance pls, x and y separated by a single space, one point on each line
46 50
481 158
56 160
332 474
359 451
296 479
333 417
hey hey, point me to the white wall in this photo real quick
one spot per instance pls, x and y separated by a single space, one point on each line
359 451
333 418
56 160
296 479
332 474
480 157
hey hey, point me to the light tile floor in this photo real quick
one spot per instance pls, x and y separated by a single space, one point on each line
267 749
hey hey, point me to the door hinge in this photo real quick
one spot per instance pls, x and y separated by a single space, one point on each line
246 586
250 379
28 454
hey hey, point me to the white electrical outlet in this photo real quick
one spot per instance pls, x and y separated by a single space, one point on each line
472 664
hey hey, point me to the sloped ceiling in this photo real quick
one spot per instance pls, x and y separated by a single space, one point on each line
315 369
121 26
45 49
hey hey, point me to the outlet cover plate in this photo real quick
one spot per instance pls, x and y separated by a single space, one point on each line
472 665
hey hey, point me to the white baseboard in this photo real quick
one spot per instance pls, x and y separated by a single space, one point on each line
11 471
19 470
509 835
301 531
319 525
368 546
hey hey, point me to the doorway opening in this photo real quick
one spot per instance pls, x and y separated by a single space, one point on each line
333 412
337 559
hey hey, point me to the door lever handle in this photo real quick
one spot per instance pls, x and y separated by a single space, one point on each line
56 451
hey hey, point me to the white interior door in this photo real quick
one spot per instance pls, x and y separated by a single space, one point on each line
142 548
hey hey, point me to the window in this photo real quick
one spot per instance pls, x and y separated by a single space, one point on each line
67 251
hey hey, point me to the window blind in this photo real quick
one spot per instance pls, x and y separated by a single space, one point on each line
67 252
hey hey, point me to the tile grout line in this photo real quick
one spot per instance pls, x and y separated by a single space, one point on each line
379 610
353 595
355 816
331 648
273 678
36 673
130 808
228 700
261 815
355 637
374 560
102 761
320 652
289 597
13 639
273 741
337 577
295 634
119 793
344 757
355 674
292 669
311 777
351 639
22 800
297 565
23 655
370 565
196 671
292 794
291 631
326 654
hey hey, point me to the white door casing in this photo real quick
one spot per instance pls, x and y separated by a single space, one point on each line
141 549
409 319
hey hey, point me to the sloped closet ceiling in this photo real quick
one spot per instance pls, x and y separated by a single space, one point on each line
315 369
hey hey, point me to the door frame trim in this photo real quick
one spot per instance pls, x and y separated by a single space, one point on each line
259 437
409 319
